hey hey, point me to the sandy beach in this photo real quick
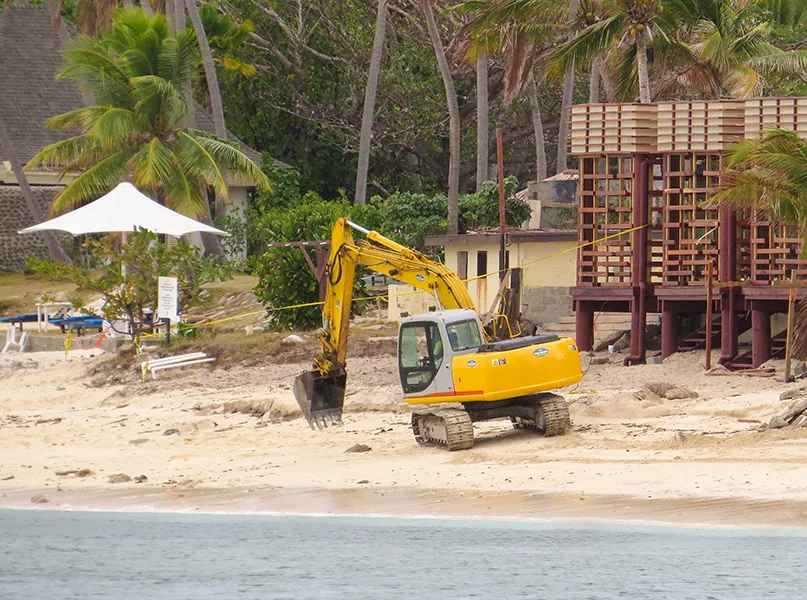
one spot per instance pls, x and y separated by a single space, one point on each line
231 439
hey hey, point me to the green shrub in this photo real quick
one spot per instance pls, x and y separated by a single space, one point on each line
284 276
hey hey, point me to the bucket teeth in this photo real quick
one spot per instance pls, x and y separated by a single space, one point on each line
324 418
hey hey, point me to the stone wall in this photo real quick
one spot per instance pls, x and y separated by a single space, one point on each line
14 215
545 304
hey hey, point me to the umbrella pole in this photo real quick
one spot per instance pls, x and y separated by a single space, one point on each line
124 239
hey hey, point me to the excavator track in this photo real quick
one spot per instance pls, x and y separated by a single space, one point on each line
551 416
448 427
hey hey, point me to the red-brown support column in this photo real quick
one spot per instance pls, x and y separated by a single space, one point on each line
583 326
761 334
638 274
669 330
727 265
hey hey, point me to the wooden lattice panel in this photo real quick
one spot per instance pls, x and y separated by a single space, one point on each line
743 245
775 253
772 113
612 128
655 211
605 208
690 226
699 126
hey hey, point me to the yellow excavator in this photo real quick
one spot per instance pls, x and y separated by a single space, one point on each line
445 357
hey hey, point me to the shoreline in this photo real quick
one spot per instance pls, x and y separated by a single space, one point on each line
718 513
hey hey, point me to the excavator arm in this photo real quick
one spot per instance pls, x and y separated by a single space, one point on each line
321 391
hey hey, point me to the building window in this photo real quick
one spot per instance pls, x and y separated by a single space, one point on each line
481 263
506 259
462 264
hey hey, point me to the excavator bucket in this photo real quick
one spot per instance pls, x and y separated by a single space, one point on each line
320 398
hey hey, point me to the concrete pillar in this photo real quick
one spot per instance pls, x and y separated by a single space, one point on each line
584 326
760 335
669 331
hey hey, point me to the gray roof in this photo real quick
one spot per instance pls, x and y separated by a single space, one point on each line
30 57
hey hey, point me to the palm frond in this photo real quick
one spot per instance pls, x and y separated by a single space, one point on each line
196 161
185 194
158 97
79 118
152 164
115 126
589 43
231 158
91 184
61 153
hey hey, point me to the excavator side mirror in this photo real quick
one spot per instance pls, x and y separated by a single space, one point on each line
404 314
432 308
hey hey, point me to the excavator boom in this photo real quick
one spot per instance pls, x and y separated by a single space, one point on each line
320 393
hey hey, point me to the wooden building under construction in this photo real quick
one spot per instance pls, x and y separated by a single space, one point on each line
647 171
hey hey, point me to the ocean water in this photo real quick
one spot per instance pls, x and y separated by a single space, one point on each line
48 555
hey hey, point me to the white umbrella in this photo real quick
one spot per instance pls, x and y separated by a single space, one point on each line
124 209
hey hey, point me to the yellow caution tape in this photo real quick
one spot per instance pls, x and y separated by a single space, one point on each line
380 296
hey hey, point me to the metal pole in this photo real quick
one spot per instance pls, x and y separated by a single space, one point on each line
709 279
791 301
502 217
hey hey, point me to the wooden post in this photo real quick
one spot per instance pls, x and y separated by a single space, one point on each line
502 215
791 301
709 279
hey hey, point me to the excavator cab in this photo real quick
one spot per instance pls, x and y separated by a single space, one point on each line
427 345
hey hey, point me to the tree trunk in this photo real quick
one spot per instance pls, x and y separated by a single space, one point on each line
594 85
538 128
641 64
482 120
179 15
211 78
608 82
211 241
368 111
566 101
54 247
146 6
128 4
453 119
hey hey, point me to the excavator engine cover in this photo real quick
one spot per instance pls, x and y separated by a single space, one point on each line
320 398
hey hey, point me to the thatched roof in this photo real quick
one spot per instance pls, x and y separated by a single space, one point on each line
30 57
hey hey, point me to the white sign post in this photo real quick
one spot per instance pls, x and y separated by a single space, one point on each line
168 293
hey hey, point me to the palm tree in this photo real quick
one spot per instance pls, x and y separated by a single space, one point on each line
770 176
727 48
453 117
368 111
630 23
138 73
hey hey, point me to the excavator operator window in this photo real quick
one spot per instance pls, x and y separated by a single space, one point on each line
464 335
420 355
